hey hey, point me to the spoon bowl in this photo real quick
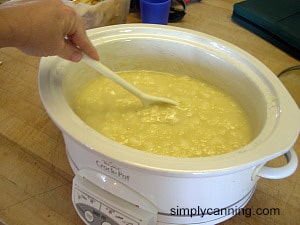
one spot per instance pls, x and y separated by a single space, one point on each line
144 97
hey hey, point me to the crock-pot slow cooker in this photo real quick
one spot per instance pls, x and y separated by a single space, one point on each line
115 184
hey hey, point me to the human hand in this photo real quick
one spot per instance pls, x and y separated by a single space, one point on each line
44 28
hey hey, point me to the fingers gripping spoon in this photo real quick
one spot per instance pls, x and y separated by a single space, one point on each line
144 97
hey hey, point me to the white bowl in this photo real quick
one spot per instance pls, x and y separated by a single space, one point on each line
274 115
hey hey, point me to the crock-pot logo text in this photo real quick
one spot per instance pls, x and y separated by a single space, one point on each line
114 170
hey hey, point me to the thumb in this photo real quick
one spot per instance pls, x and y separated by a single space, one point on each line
70 52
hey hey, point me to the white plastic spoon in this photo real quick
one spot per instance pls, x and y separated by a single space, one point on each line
145 98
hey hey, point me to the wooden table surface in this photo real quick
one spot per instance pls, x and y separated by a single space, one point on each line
35 176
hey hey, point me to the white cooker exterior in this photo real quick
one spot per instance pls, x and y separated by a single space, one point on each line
231 191
222 181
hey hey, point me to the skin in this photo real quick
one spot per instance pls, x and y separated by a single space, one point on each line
44 28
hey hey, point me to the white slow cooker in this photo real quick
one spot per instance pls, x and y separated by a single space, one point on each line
115 184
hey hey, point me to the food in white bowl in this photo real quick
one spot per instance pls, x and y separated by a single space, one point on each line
206 121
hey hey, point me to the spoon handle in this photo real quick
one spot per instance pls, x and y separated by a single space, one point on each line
144 97
105 71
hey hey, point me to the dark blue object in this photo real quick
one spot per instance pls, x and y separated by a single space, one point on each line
276 21
155 11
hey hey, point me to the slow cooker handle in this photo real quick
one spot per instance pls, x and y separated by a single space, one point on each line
279 172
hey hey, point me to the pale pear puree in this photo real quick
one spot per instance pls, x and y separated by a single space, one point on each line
205 122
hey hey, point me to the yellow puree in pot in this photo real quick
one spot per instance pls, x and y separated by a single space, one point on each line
206 121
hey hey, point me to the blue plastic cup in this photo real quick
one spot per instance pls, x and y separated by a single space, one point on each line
155 11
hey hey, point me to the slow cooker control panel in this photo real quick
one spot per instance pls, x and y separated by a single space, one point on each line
96 206
95 212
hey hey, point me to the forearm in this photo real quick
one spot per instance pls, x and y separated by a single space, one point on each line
39 27
13 27
7 34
